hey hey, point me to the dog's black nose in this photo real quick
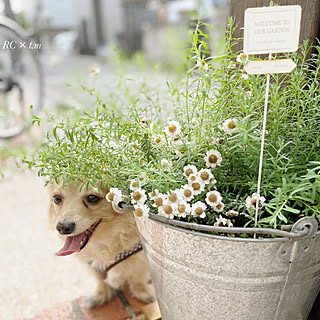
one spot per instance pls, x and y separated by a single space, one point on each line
66 227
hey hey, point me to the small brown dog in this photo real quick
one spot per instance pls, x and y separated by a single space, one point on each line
97 234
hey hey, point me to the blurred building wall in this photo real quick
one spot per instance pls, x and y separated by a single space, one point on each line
112 19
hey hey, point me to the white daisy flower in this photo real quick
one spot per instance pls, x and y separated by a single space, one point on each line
198 209
114 195
251 202
174 196
94 71
232 213
141 211
213 198
177 142
160 200
223 222
153 194
173 128
205 175
168 210
133 185
138 196
219 207
248 94
178 146
215 141
228 126
197 187
183 209
213 181
245 76
141 181
157 140
137 183
194 121
213 158
242 58
193 177
165 164
187 192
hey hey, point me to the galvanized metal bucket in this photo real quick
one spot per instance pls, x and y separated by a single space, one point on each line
201 276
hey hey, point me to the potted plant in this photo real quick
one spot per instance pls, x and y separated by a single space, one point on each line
191 181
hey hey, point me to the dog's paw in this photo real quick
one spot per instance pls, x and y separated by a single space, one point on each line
103 295
95 301
144 292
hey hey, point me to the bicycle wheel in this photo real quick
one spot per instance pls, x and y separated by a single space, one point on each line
21 79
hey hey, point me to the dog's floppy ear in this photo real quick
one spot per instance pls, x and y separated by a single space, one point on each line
50 188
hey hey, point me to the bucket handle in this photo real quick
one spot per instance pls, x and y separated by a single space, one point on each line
304 227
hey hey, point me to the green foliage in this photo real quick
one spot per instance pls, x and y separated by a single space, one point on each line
125 138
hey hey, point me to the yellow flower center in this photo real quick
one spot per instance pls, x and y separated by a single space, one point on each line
168 209
158 140
134 184
172 128
231 125
213 198
138 212
193 178
111 196
173 197
213 158
187 193
243 56
136 196
181 208
198 211
253 202
204 175
159 202
188 172
196 186
219 206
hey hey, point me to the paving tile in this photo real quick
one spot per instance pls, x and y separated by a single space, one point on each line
113 310
116 309
61 311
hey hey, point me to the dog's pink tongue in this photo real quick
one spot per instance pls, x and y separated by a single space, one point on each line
71 245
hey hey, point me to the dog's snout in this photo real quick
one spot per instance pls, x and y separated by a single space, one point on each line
66 227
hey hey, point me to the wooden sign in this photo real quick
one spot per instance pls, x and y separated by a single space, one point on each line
270 66
271 29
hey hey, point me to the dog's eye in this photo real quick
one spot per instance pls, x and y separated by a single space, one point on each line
57 199
93 199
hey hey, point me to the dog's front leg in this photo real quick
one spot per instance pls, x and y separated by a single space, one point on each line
103 292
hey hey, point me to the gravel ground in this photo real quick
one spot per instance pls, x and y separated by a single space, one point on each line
31 276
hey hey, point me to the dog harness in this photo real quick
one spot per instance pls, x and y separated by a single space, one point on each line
120 257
